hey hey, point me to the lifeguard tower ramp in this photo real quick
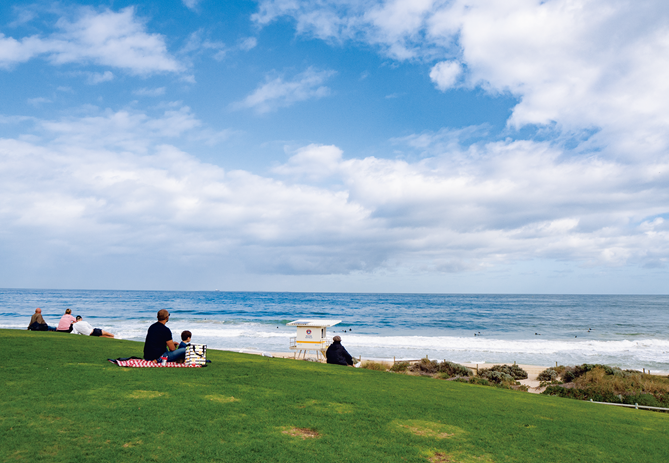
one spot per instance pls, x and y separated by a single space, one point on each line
311 336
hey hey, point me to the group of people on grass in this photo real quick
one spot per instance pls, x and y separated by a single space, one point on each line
67 324
159 343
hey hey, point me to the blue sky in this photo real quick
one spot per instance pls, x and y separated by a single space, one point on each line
372 146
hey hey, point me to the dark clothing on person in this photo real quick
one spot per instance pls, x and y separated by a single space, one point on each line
336 354
37 323
155 343
38 327
96 332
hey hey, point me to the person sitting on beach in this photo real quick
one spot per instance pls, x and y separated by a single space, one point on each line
185 339
337 354
65 323
85 328
37 322
159 342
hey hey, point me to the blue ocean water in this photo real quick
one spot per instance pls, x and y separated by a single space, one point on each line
627 331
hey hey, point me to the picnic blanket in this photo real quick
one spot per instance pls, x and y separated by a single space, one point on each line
141 363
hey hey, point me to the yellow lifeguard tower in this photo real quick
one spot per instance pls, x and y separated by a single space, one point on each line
311 335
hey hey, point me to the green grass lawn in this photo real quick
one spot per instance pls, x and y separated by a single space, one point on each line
62 401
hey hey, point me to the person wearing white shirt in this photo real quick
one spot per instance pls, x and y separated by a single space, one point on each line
85 328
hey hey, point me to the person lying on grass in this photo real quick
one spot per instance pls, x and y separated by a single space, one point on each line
85 328
159 342
337 354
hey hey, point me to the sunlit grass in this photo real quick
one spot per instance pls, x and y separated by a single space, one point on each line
62 401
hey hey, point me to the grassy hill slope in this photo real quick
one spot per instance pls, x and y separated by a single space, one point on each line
62 401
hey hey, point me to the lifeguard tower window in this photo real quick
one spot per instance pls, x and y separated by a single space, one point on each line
307 337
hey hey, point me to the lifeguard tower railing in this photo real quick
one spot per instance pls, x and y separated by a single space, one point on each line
320 345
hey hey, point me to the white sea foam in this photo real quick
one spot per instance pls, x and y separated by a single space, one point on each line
630 353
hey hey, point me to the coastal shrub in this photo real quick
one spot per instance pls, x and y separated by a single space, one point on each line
445 369
568 376
495 376
400 367
598 396
451 369
425 366
580 370
548 375
615 385
550 383
512 370
369 365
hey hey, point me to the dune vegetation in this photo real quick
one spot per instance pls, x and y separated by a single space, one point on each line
62 401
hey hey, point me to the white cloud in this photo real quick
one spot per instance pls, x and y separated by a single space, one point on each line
95 78
277 92
445 74
159 91
108 185
126 130
191 4
248 43
313 162
106 38
595 65
196 43
38 101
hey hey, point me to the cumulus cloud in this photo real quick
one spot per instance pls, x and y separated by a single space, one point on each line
314 162
110 185
106 38
277 93
130 130
577 65
445 74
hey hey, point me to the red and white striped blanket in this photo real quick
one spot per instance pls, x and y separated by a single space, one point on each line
138 363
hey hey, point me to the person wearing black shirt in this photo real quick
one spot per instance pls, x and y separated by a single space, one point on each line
337 354
159 341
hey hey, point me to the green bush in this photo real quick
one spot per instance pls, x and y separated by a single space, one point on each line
451 369
568 376
425 366
512 370
495 376
400 367
548 375
598 395
445 369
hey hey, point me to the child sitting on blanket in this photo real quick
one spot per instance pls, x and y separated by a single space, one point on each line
185 339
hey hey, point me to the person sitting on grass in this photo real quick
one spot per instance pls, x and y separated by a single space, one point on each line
65 323
37 322
185 339
85 328
337 354
159 342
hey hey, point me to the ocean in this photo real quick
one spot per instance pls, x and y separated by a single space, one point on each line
623 330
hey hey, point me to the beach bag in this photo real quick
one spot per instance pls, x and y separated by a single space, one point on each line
196 354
